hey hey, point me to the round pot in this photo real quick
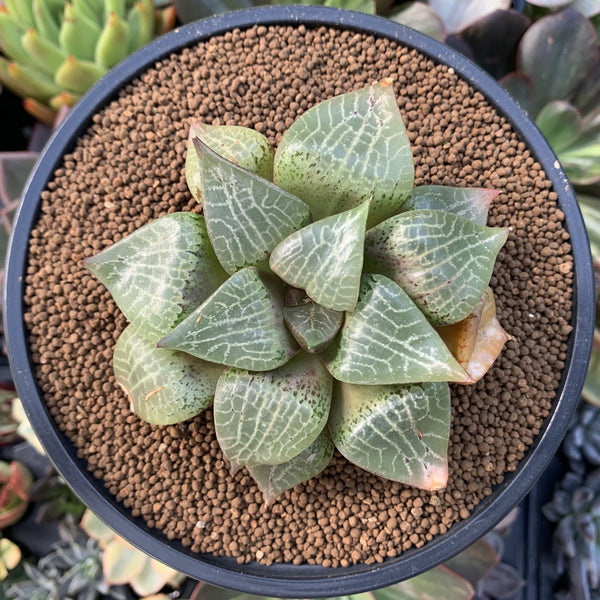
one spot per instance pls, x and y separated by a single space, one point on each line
284 579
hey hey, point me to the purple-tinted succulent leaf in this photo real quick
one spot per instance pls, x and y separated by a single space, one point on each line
560 123
588 8
459 14
520 87
587 96
557 52
421 17
565 534
439 582
494 40
502 582
581 497
14 171
586 527
475 562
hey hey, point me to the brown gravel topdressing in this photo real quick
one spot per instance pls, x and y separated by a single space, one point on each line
128 170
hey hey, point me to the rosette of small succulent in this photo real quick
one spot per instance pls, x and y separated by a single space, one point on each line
320 301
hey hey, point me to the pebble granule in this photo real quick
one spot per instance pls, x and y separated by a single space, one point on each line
128 169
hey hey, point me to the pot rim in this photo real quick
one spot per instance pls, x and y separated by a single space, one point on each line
285 580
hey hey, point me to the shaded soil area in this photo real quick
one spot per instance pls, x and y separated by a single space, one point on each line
128 169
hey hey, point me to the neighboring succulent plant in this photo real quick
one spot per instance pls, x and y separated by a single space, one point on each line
24 429
72 571
355 344
558 83
8 424
57 49
10 557
124 564
575 508
582 442
15 482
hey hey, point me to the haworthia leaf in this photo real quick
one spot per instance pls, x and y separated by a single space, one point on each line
395 431
273 480
246 215
469 203
476 341
239 325
242 146
164 386
387 339
312 325
346 150
269 418
161 272
442 261
325 258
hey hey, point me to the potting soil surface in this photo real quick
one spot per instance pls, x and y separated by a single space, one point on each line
128 169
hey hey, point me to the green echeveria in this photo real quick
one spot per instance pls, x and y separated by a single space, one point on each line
335 273
58 49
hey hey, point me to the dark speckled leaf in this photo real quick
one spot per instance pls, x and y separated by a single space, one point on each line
395 431
269 418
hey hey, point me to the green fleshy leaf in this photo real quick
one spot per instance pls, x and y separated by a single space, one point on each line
469 203
312 325
325 258
246 215
439 582
269 418
78 75
26 81
591 386
347 150
475 562
580 161
113 43
141 24
388 340
239 325
395 431
242 146
21 9
161 272
78 34
442 261
273 480
556 53
47 55
114 6
163 386
11 35
47 18
560 122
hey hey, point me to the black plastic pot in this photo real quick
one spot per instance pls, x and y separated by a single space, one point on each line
286 580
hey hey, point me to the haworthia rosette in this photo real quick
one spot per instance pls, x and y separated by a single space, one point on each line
442 261
469 203
269 418
273 480
346 150
395 431
163 386
387 339
246 215
239 325
244 147
161 272
312 325
325 258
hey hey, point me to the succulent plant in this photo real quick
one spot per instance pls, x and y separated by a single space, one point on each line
57 49
558 83
24 429
15 482
582 442
575 508
8 424
124 564
10 557
72 571
368 280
